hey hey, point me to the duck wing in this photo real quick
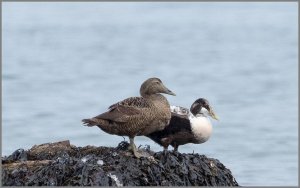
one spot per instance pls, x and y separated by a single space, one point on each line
134 102
178 123
123 110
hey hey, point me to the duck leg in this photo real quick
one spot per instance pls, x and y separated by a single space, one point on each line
175 148
165 151
165 142
175 151
134 149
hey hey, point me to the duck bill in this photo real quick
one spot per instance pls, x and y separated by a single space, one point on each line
213 115
167 91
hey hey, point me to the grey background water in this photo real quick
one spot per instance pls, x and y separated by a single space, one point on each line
63 62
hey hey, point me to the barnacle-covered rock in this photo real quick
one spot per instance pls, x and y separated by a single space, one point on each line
62 164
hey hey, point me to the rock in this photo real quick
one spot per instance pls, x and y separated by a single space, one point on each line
62 164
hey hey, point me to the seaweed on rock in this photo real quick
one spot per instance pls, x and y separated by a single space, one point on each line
63 164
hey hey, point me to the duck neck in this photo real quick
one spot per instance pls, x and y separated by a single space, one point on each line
159 98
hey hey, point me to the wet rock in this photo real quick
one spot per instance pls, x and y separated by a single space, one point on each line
62 164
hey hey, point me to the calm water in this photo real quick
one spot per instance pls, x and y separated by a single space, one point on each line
63 62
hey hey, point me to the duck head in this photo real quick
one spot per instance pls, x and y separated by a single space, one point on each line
201 106
153 86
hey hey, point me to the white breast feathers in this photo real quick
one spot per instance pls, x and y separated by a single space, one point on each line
201 127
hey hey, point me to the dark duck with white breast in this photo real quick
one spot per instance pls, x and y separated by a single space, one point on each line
137 116
186 126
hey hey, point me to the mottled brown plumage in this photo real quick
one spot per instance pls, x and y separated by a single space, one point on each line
136 116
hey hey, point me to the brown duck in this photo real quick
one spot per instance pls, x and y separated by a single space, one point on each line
137 116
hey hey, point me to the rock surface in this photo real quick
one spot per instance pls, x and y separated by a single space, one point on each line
62 164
